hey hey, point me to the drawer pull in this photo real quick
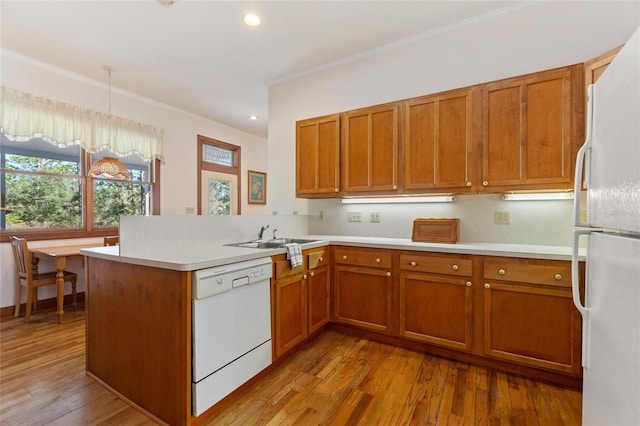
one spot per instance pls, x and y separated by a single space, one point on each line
468 283
485 183
454 267
394 187
344 257
336 190
486 285
502 271
557 277
377 260
321 259
311 274
413 263
304 277
388 274
468 183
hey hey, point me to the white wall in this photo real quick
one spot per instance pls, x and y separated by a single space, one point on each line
529 38
178 181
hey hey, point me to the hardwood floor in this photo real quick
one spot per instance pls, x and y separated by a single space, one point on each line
335 380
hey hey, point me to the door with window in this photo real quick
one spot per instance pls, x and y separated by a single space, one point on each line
219 177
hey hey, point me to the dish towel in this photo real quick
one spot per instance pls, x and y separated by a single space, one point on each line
294 254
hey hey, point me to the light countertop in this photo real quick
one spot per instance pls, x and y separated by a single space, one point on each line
191 258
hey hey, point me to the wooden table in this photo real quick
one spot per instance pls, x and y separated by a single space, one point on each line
60 255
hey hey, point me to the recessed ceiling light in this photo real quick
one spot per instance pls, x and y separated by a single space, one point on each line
253 117
251 19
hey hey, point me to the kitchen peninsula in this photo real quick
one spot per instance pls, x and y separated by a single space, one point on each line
139 310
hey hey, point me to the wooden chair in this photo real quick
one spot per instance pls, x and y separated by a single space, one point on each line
111 241
27 277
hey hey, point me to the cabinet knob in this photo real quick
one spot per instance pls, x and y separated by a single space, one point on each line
336 190
485 183
321 259
388 274
502 271
395 187
413 264
468 283
344 257
304 277
311 274
468 183
454 267
377 260
486 285
557 277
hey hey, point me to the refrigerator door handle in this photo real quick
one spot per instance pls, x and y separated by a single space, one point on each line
583 152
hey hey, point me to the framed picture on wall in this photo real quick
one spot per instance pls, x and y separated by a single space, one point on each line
257 187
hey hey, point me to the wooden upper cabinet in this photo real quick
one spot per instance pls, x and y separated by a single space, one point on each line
440 140
530 130
318 157
370 149
594 68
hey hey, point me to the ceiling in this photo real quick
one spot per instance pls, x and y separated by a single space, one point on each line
200 57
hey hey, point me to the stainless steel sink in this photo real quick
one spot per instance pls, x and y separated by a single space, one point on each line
270 244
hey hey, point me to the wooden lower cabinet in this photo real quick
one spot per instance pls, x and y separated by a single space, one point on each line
300 298
290 316
436 309
530 319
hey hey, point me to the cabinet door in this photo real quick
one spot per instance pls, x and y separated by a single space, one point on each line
318 156
439 147
527 131
534 326
370 150
290 316
436 309
363 297
318 306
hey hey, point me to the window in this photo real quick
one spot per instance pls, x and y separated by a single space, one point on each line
45 191
219 182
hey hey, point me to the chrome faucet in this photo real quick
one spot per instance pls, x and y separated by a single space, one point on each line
274 233
262 231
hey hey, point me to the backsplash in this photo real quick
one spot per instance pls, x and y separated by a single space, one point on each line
532 222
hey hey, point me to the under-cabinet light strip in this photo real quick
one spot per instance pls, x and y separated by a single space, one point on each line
390 200
538 196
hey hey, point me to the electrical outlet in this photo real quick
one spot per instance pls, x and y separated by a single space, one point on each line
354 217
503 217
189 210
583 216
374 217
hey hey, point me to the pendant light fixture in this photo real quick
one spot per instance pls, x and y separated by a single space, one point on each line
109 167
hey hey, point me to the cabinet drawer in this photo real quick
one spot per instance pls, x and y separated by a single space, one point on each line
547 273
317 258
363 258
282 267
449 265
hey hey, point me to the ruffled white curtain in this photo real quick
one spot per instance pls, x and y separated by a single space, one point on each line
24 117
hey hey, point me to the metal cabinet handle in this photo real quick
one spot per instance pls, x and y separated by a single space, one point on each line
336 190
557 277
454 267
304 277
395 186
311 273
344 257
485 183
502 271
486 285
388 274
413 263
468 183
468 283
321 259
377 260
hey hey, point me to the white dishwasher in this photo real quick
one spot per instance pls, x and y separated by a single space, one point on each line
231 329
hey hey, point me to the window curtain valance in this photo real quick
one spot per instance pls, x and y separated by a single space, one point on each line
24 117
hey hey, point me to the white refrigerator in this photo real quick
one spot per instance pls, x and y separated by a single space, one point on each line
610 305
